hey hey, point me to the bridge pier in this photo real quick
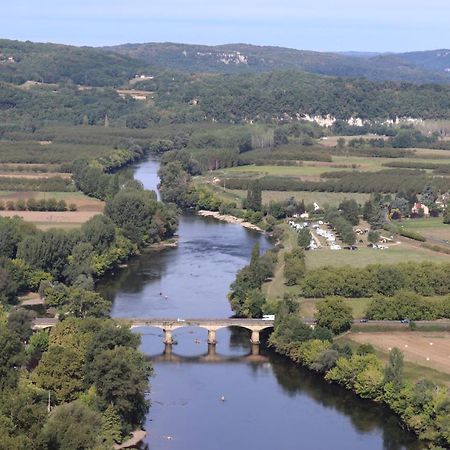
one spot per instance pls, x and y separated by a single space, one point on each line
212 337
255 349
211 350
167 349
168 338
255 337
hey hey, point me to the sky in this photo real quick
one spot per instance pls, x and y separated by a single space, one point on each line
322 25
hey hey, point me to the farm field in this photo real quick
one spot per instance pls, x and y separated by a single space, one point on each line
429 349
312 170
432 153
365 256
87 207
431 227
321 198
83 202
52 219
34 175
34 152
331 141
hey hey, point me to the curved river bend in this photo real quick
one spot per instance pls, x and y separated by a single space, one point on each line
270 404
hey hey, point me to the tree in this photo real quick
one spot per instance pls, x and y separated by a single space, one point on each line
12 231
81 303
37 344
325 361
47 251
60 371
373 237
8 287
368 210
253 304
294 266
134 211
11 357
254 196
304 238
334 314
73 426
174 184
280 136
350 211
20 322
99 232
340 143
79 262
393 372
121 378
111 426
447 215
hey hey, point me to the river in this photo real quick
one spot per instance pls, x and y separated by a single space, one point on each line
270 404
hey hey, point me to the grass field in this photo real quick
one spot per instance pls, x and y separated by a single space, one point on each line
364 256
431 227
339 163
428 349
358 306
275 288
290 171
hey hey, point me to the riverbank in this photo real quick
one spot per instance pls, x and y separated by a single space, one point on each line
230 219
163 245
363 372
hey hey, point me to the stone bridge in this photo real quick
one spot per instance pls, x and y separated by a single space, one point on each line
168 326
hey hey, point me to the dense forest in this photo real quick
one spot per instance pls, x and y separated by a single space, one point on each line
278 97
421 67
55 63
178 97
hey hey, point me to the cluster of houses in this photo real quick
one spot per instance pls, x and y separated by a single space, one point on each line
6 59
328 235
420 209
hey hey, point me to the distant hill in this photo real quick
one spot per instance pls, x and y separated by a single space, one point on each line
417 67
54 63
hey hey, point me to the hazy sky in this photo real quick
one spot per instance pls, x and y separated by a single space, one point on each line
337 25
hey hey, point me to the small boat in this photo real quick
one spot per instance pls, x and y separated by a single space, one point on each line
222 398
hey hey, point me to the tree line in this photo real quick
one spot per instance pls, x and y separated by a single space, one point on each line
349 181
42 204
425 279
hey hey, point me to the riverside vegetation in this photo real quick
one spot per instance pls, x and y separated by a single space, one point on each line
88 369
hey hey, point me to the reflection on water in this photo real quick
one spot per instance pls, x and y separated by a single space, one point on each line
270 404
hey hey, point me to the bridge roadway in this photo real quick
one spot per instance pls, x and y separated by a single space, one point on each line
168 326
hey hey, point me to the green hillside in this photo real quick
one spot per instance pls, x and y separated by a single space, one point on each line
419 67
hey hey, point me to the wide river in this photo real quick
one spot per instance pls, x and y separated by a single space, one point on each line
270 404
